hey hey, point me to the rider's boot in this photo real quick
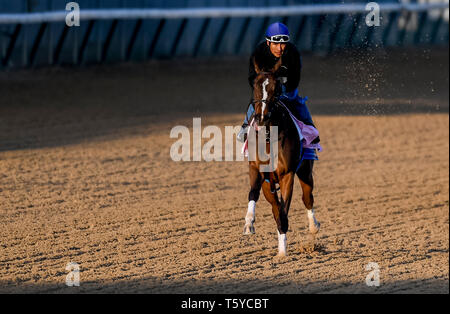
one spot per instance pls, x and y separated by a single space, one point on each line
242 135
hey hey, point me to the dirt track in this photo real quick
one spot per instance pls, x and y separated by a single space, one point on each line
88 178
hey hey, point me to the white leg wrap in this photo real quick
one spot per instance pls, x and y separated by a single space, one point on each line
311 216
250 217
314 225
282 244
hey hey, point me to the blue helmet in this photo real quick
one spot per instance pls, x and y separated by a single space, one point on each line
278 33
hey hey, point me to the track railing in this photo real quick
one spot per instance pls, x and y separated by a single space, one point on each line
217 12
343 23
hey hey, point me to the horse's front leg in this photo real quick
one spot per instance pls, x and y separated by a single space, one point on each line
253 196
272 198
286 187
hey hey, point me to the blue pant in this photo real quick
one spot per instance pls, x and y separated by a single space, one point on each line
302 109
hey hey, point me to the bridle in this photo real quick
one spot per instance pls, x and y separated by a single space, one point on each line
263 101
270 109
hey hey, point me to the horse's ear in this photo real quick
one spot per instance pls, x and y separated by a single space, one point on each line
277 66
257 69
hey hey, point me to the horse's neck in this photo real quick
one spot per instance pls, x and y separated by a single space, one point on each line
283 121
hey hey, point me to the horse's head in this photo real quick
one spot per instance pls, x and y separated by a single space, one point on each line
264 92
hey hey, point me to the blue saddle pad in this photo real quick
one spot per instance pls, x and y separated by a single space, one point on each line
309 154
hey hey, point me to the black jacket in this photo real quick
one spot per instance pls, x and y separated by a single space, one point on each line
290 69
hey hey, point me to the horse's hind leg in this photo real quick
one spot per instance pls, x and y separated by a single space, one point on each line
307 184
253 196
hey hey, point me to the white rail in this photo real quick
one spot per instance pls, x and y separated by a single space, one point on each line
215 12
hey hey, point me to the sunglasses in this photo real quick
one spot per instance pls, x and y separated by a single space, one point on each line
279 38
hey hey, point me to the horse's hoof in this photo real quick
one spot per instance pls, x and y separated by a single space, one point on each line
314 228
249 229
281 254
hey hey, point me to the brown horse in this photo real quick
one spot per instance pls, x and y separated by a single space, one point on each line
268 112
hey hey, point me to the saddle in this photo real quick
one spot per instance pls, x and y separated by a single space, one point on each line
308 134
292 106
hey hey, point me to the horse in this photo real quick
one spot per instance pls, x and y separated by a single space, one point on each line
269 112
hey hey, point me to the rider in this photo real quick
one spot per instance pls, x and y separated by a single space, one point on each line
266 55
